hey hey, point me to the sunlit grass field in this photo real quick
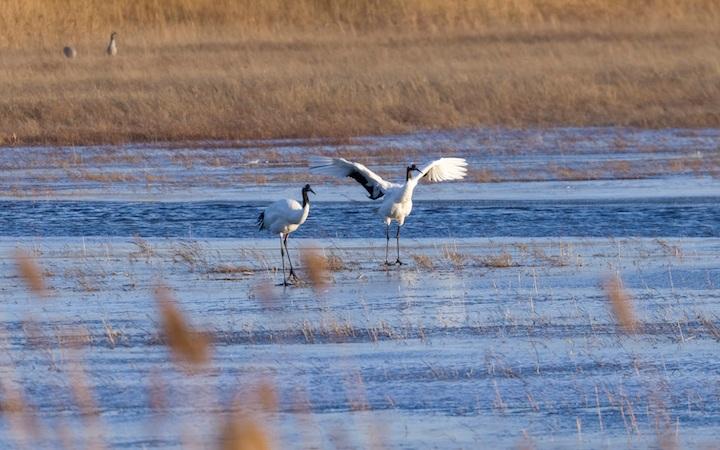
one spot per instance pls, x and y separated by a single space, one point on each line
192 70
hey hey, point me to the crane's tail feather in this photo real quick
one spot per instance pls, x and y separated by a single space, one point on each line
261 220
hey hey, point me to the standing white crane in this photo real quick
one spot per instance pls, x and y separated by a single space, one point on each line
112 46
397 202
283 217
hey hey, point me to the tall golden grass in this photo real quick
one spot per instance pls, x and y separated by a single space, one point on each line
42 21
202 69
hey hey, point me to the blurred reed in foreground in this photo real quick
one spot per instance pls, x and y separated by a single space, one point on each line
189 347
31 273
621 304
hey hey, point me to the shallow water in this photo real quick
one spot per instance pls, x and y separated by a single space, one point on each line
674 217
531 164
456 356
452 350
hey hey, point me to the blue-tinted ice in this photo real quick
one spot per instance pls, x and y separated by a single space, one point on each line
497 333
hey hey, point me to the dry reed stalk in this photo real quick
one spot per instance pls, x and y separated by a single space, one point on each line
423 261
248 426
189 347
83 396
621 303
356 392
85 401
710 326
230 269
527 442
503 260
243 433
157 393
316 266
74 337
144 249
267 397
667 438
451 253
264 292
30 271
334 263
22 423
302 407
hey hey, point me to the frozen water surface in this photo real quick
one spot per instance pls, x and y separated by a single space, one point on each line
496 333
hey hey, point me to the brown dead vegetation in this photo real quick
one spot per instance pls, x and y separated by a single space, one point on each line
196 70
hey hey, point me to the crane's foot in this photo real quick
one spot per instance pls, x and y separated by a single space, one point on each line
294 278
396 263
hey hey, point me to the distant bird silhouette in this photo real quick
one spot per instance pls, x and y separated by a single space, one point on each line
397 202
69 52
112 46
283 217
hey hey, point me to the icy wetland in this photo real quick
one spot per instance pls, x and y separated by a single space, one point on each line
497 332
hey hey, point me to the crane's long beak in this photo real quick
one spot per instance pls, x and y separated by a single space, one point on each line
417 170
310 189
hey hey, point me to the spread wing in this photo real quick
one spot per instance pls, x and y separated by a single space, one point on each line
340 167
444 169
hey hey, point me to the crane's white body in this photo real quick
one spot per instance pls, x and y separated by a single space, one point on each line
397 198
285 216
397 202
282 218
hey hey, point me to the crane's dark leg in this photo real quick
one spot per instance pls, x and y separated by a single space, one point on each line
397 237
282 255
387 244
292 272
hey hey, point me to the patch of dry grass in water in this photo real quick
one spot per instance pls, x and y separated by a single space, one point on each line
451 253
501 261
190 253
229 269
423 261
334 263
102 177
195 70
144 250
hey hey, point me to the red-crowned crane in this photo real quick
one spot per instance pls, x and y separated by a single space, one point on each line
397 198
282 218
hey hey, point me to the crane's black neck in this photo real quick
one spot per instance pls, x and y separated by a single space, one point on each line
407 173
306 200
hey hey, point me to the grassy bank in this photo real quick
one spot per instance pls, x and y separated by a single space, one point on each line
188 69
42 22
